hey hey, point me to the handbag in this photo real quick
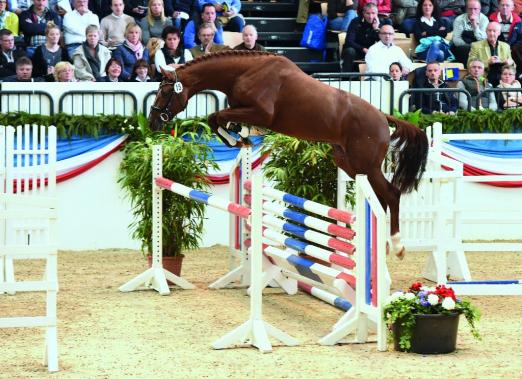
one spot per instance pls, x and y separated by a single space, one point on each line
314 34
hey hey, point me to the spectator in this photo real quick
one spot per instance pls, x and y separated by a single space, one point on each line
19 6
113 71
64 72
362 33
487 7
206 36
492 53
383 6
506 18
228 13
396 71
91 57
468 28
404 14
181 12
475 84
8 20
131 50
208 15
383 53
428 23
140 71
112 27
340 14
508 80
24 71
33 23
74 24
10 53
430 102
172 54
250 40
153 24
101 8
449 10
47 55
136 8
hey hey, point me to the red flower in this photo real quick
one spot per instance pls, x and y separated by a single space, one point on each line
415 287
444 291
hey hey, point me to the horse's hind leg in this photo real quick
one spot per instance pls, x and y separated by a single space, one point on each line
389 196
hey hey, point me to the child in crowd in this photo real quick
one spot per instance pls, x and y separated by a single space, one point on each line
396 71
508 80
141 71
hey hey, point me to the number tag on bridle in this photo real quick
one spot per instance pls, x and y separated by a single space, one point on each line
178 87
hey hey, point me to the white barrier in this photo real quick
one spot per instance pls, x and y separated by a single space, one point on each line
27 222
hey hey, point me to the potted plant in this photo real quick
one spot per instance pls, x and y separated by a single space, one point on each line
185 160
425 320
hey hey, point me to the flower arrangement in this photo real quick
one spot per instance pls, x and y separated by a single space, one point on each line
402 307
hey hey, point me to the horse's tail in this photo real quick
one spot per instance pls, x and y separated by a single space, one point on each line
410 146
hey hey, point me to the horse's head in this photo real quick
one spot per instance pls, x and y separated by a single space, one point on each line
170 100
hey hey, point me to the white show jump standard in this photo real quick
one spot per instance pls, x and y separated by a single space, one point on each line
28 215
156 277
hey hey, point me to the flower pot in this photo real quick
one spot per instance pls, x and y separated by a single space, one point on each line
432 334
172 264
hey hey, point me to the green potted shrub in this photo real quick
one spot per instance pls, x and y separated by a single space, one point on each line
184 161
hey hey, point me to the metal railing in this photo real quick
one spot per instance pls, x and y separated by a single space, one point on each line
501 94
35 102
203 103
98 102
377 89
434 103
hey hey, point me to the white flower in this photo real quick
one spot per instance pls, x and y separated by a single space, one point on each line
394 296
131 127
409 296
448 303
433 299
122 129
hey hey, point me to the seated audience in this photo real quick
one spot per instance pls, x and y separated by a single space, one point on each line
47 55
113 71
206 36
362 33
24 71
468 28
101 8
9 54
155 21
383 53
136 8
131 50
8 20
506 18
172 54
208 15
340 14
74 24
141 71
112 27
396 71
91 57
383 6
181 11
64 72
449 10
475 84
508 80
492 53
250 40
430 102
18 6
428 23
227 13
33 23
487 7
404 14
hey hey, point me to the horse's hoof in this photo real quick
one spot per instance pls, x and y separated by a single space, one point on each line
246 142
401 253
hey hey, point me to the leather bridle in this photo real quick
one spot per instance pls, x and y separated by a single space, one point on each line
165 113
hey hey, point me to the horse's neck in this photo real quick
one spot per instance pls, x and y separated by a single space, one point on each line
214 74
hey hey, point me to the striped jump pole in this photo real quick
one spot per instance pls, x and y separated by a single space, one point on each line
488 287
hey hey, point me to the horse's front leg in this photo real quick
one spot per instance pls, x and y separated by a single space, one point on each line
248 115
221 132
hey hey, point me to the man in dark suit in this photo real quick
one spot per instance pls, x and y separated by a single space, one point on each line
9 54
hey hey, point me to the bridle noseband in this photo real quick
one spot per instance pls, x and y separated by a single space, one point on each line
177 88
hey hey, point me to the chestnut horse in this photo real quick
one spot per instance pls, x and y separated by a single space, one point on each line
270 91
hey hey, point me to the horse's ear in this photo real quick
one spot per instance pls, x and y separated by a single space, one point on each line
167 73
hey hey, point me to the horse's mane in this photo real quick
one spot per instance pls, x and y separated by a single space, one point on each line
227 53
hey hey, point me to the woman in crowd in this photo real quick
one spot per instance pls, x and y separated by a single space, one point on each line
396 71
48 54
153 24
428 23
90 57
131 50
172 54
508 80
64 72
113 71
141 71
